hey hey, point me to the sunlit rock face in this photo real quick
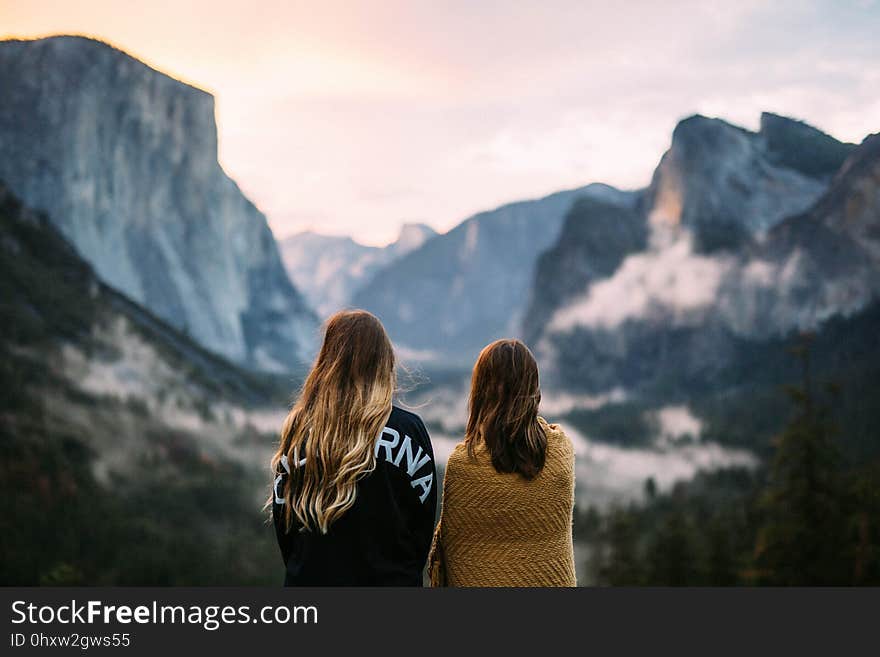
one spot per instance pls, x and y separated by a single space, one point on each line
124 161
725 184
329 269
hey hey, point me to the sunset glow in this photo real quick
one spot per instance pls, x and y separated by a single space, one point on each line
353 117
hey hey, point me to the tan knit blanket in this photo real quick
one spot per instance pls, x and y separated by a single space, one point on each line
502 530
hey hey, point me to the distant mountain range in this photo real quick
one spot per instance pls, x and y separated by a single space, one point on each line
740 235
329 268
446 299
123 159
608 285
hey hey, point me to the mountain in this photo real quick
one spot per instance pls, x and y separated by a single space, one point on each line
124 160
826 260
329 269
850 208
748 238
726 184
460 290
596 236
112 419
796 145
410 238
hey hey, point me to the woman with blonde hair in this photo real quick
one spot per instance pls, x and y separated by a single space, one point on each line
353 498
508 493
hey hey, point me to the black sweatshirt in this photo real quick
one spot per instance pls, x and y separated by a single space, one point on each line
383 540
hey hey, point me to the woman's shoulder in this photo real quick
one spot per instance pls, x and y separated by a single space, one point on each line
404 418
459 453
463 458
405 423
556 437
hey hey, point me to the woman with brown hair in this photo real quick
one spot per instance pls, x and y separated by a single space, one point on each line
508 494
353 498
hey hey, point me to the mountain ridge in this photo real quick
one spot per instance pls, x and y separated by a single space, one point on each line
718 180
331 268
470 285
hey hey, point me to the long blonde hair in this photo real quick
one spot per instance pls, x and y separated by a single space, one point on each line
329 435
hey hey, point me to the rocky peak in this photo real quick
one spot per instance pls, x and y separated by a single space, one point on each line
718 181
329 268
800 146
123 159
596 236
411 237
850 210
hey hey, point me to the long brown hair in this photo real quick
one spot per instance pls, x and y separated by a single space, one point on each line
328 438
503 409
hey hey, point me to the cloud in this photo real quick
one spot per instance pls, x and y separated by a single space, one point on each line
606 474
609 474
559 402
668 281
675 423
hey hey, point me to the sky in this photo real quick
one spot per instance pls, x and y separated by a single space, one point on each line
355 117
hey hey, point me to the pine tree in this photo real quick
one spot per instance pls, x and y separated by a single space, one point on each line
674 554
622 567
864 522
803 538
722 565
